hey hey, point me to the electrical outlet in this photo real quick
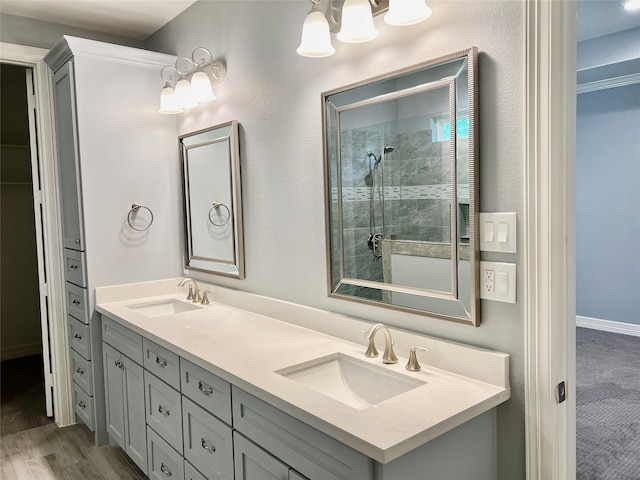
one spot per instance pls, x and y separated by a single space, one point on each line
498 281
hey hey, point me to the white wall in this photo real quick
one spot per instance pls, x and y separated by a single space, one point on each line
275 96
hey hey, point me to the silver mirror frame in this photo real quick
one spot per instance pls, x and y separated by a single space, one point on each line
472 313
230 215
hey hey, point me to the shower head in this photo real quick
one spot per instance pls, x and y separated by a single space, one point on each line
389 149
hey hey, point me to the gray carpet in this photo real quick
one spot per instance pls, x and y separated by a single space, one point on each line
608 406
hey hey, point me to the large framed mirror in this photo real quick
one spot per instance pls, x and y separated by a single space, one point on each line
212 198
401 191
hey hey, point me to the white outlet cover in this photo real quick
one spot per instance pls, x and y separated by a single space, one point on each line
503 282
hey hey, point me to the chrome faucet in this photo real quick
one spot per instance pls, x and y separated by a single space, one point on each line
194 291
389 355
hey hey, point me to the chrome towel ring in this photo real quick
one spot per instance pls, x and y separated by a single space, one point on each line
217 205
134 209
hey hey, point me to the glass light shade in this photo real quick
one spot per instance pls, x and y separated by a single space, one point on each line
357 22
168 101
316 37
407 12
201 87
184 95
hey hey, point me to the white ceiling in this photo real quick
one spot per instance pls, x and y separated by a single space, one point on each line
135 19
140 18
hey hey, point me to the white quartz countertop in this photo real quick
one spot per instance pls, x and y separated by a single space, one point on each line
247 349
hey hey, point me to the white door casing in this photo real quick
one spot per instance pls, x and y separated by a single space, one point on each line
54 326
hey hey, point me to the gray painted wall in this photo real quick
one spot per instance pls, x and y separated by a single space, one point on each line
608 205
275 96
41 34
617 47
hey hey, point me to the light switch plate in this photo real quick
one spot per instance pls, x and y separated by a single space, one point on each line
498 232
498 281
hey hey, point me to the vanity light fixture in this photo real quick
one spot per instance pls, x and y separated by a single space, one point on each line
352 20
632 5
195 78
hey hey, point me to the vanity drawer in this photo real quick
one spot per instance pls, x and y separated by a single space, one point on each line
81 372
164 410
207 390
79 337
74 267
191 473
208 442
77 304
164 461
304 448
122 339
162 363
83 406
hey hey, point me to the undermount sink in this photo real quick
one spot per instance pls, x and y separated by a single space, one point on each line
160 308
353 382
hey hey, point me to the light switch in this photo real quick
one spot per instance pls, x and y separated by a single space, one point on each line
498 232
502 283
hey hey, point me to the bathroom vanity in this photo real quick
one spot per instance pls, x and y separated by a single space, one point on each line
247 393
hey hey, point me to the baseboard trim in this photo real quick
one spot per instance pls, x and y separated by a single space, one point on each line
608 326
17 351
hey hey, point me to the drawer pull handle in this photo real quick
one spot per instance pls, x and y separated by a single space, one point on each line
82 405
209 449
204 388
166 413
77 241
119 364
162 363
73 267
165 470
80 370
78 337
76 302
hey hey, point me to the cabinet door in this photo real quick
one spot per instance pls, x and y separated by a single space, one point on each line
68 160
253 463
135 431
114 394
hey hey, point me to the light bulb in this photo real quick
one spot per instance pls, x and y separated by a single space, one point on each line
407 12
357 22
316 37
201 87
168 101
184 94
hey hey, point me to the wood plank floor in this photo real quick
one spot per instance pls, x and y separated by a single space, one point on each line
32 447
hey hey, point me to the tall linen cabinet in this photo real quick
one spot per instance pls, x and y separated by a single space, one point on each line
113 150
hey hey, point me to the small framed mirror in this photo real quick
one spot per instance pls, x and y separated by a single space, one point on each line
401 192
213 200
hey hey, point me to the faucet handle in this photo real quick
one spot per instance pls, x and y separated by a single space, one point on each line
371 352
413 365
205 297
190 295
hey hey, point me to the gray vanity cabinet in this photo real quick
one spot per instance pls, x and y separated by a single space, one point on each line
125 406
253 463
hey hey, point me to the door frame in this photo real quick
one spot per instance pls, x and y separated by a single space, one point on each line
550 302
55 332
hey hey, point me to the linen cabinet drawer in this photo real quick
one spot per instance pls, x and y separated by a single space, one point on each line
77 304
81 372
83 406
122 339
163 363
207 390
191 473
208 442
164 461
163 409
79 337
74 267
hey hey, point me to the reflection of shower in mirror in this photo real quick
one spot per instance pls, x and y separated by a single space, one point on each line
375 181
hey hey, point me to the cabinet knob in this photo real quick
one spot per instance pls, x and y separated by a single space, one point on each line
82 405
208 448
162 363
166 413
165 470
80 371
77 240
207 390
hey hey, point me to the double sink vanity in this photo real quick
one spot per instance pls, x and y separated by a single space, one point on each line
221 391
